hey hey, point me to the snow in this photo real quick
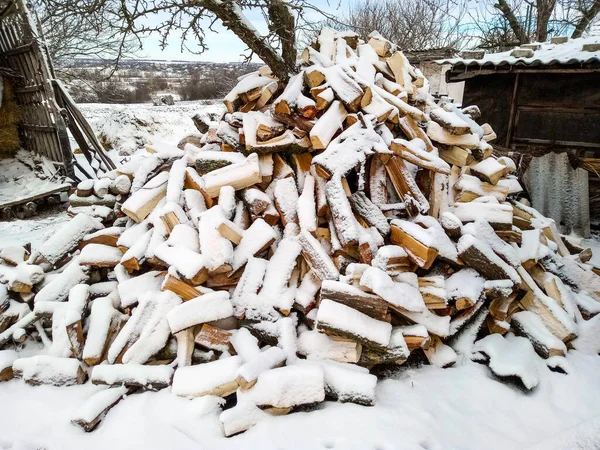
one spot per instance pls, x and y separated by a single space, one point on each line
352 321
202 379
7 358
467 241
511 356
400 295
286 197
569 52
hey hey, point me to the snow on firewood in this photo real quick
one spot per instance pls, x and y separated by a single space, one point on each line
288 386
67 238
213 378
89 415
248 373
57 290
203 309
147 331
397 294
132 289
43 369
132 375
341 320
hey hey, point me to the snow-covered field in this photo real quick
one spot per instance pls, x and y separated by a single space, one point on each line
127 128
463 407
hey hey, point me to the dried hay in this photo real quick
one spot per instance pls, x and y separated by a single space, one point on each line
10 115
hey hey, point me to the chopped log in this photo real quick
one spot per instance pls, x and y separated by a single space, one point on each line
529 325
99 255
213 378
255 240
419 252
89 415
141 203
479 255
457 156
369 304
396 352
206 308
230 231
412 130
318 345
53 370
436 133
213 338
286 200
342 216
404 183
382 46
439 354
68 237
317 258
181 288
369 212
416 336
450 121
7 358
326 127
133 375
337 319
106 236
489 170
238 175
412 153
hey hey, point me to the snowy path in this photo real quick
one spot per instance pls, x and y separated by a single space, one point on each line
426 408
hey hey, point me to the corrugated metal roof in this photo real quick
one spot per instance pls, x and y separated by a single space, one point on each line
571 52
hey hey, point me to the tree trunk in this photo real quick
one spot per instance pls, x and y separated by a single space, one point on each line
544 11
586 19
232 17
509 15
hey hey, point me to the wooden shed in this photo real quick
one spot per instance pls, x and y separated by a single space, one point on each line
48 119
543 102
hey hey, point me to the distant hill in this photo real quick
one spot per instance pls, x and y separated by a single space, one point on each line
142 80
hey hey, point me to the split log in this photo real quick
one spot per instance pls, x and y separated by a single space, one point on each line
213 378
369 304
152 378
44 369
89 415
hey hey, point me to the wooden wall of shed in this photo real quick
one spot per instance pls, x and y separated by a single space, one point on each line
492 93
552 111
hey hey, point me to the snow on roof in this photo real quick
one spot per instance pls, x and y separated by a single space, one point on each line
547 53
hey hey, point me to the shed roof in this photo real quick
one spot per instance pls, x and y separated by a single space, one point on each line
547 54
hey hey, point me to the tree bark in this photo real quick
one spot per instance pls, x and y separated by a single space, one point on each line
544 11
586 19
509 15
231 15
282 22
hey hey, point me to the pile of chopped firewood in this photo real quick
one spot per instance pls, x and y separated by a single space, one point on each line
340 223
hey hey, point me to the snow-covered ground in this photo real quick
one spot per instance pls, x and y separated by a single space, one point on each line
127 128
423 408
462 407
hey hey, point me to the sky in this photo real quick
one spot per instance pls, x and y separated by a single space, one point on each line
224 46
